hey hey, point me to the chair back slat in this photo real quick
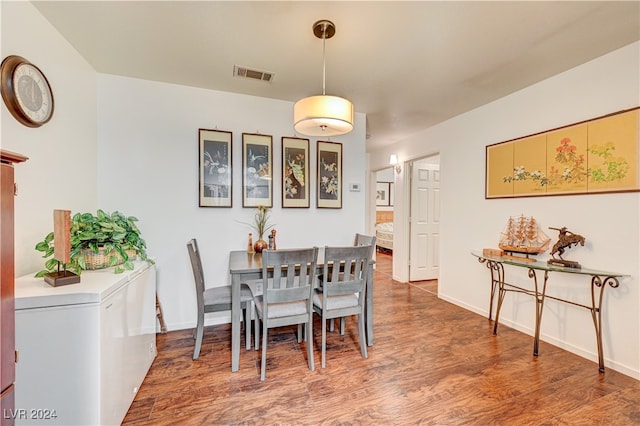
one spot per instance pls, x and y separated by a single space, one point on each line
287 274
345 269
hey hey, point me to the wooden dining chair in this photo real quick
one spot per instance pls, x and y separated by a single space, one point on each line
359 240
342 288
215 299
287 290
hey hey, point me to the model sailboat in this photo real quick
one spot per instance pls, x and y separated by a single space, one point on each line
523 235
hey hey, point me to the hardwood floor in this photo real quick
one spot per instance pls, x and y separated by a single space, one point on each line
432 363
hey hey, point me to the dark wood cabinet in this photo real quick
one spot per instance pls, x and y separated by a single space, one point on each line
7 291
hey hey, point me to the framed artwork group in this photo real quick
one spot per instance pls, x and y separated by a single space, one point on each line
216 171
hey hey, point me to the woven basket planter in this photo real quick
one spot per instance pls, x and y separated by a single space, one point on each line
100 260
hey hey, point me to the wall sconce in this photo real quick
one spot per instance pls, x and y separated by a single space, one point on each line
393 160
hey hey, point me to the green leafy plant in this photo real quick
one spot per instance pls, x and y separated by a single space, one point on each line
613 168
116 234
260 222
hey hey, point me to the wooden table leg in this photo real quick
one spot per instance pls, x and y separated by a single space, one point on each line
236 312
163 326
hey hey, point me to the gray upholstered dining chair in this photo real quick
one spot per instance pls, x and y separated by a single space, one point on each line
359 240
342 288
215 299
287 290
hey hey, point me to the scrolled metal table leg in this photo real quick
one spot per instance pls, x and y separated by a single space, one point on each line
498 269
596 311
539 306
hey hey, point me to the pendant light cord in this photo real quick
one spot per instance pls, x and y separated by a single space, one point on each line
324 39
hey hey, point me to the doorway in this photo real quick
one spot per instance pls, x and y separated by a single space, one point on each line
424 219
385 199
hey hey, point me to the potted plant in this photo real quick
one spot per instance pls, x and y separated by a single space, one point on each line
98 241
260 225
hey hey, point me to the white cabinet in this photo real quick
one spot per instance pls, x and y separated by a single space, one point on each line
84 349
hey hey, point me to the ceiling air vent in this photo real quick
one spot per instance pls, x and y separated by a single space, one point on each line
245 72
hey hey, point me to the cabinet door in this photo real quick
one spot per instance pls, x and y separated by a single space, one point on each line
7 303
113 336
128 344
59 366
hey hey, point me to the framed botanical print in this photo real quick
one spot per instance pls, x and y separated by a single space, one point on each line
257 170
295 173
329 179
215 168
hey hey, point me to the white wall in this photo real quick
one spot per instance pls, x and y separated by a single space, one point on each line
61 170
385 175
610 222
148 167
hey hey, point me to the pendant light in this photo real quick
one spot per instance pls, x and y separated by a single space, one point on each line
323 115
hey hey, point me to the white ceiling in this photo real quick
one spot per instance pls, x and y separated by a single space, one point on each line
407 65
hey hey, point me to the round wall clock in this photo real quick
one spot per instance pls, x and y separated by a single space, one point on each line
26 91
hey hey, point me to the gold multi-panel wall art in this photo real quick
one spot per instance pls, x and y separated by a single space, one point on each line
595 156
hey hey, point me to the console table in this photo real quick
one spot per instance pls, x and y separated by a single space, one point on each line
599 280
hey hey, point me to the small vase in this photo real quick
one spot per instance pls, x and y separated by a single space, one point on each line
260 245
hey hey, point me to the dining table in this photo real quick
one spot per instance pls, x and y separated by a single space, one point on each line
245 267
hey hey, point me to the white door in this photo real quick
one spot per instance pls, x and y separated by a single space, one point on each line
424 262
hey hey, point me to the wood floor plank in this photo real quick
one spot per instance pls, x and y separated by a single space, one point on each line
432 363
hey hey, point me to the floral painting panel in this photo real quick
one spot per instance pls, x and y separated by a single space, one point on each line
257 170
594 156
530 166
295 173
329 187
499 170
215 168
613 155
567 160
